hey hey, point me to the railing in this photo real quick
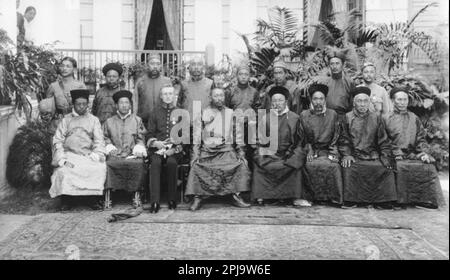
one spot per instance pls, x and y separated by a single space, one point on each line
91 62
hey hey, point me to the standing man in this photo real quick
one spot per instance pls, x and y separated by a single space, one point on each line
104 106
61 89
242 95
197 88
417 179
219 167
146 97
379 97
78 153
279 176
368 169
339 85
320 130
280 76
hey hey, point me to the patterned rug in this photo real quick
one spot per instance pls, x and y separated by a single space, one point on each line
219 233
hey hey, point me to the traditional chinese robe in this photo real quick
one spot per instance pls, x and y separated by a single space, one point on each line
320 133
76 138
367 180
417 182
126 134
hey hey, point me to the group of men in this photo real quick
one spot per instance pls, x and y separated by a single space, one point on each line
350 145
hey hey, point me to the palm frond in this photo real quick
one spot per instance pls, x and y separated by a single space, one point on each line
421 11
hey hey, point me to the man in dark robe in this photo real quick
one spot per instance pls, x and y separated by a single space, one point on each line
242 95
320 130
125 148
163 150
277 170
148 87
104 106
218 164
196 88
339 85
280 76
417 179
368 174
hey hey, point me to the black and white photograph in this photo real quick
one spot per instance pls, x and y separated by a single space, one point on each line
251 131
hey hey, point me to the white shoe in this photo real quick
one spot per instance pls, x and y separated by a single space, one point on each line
302 203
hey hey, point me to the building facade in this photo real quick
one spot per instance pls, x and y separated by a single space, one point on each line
192 24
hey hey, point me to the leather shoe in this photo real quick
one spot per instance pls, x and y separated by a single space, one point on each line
155 208
196 204
172 205
239 202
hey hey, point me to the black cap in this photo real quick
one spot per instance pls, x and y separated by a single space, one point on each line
123 93
279 90
360 90
397 89
112 66
79 93
318 87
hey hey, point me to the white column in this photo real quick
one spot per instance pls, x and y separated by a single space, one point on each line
8 18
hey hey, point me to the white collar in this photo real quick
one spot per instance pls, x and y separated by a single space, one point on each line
123 117
323 111
75 114
282 113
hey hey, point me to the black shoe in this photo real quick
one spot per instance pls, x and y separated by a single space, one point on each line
426 206
196 204
239 202
97 205
172 205
349 205
155 208
384 206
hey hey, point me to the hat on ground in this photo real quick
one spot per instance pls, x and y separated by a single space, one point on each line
360 90
79 93
123 93
318 87
279 90
112 66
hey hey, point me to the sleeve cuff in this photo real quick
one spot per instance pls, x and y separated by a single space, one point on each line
110 148
61 162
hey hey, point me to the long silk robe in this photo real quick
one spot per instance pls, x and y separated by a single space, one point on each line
417 182
75 139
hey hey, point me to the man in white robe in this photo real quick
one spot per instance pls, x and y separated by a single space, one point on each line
78 152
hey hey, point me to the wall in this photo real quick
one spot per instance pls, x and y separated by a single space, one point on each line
8 17
217 21
56 20
378 11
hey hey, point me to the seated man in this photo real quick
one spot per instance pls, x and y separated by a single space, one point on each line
320 130
368 175
162 149
219 167
417 179
279 175
125 147
78 153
